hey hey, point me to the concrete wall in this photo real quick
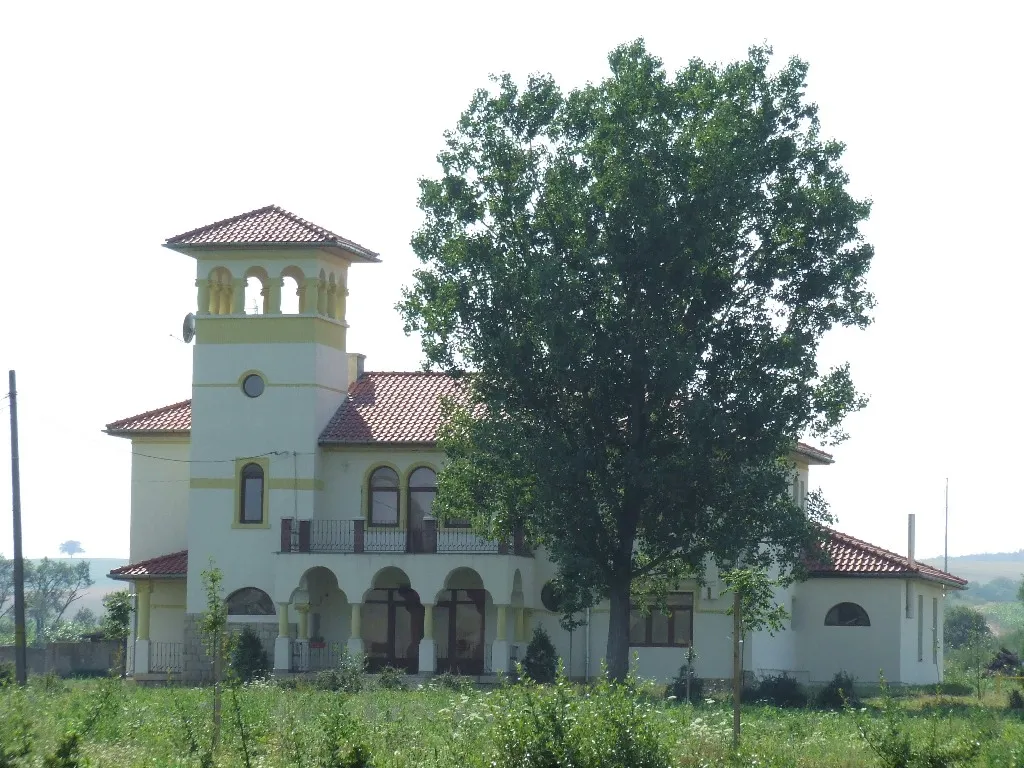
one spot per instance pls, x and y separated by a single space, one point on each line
927 671
68 659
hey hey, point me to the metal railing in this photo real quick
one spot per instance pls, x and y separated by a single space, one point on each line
166 657
354 536
312 656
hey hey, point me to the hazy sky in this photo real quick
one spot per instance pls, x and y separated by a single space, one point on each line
124 124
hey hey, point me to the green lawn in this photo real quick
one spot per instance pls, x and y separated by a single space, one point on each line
122 725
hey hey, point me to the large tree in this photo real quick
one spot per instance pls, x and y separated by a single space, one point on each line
51 586
637 274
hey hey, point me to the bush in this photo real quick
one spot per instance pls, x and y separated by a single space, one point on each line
6 673
541 662
606 727
838 693
779 691
678 686
449 682
1016 702
391 679
249 659
349 676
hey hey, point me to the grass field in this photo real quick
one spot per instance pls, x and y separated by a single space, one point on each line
121 725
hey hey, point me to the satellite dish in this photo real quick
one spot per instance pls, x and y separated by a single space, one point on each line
188 328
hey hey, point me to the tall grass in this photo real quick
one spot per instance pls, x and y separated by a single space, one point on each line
121 725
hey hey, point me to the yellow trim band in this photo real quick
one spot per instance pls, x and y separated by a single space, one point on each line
272 484
270 329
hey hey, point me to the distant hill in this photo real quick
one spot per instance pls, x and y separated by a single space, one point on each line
984 567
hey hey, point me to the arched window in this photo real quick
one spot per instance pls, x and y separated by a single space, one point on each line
422 489
383 497
250 601
847 615
252 494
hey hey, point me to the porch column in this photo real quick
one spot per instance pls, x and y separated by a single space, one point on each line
303 641
204 296
143 591
499 651
238 296
355 636
282 645
428 653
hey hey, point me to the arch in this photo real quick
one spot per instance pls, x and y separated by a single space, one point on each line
250 601
392 621
847 615
383 496
463 578
464 622
389 577
293 286
251 494
332 297
420 490
257 291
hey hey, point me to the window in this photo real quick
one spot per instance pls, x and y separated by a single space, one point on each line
847 615
920 627
250 601
422 490
252 494
935 630
655 628
383 497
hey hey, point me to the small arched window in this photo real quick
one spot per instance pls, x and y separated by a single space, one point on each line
250 601
422 490
847 615
383 497
252 494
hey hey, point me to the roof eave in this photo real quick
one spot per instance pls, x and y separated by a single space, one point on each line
817 458
145 577
886 575
129 433
350 252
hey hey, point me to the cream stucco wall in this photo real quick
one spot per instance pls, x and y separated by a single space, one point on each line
160 474
927 670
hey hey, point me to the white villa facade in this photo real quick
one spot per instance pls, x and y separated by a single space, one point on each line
309 481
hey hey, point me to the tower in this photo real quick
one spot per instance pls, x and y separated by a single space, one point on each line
266 379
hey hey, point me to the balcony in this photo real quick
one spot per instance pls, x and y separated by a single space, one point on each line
352 536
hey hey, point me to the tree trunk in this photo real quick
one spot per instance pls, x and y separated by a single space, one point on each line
618 632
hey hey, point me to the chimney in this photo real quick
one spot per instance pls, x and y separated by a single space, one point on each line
910 539
355 366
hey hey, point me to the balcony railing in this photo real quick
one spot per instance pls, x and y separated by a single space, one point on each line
166 657
344 536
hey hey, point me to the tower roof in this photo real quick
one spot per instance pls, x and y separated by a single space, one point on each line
270 226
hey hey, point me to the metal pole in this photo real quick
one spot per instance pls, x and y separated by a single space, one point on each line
945 559
737 667
20 666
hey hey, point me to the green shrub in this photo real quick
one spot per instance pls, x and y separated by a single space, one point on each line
6 673
543 726
68 753
249 660
541 662
678 687
779 691
838 693
449 682
1016 702
391 679
341 746
349 676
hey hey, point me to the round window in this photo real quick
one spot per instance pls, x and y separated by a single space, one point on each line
253 385
550 597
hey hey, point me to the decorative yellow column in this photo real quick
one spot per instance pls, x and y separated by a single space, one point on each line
203 298
238 296
282 620
224 292
332 290
502 633
518 631
339 303
144 590
428 621
303 621
309 296
274 285
321 304
356 630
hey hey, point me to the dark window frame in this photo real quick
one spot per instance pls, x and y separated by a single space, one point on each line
251 471
860 618
673 611
246 592
396 490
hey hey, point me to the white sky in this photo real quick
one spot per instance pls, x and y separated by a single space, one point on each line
126 123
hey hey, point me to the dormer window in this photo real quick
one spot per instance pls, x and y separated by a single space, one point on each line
383 497
252 494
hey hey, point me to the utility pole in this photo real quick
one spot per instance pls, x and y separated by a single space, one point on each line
945 559
19 565
737 666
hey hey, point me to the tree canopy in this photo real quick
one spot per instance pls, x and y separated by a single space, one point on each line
962 624
637 274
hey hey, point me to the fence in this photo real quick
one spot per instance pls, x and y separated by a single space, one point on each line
344 536
166 657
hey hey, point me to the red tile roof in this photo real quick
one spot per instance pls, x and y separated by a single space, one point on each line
853 557
170 566
170 419
815 454
393 408
270 225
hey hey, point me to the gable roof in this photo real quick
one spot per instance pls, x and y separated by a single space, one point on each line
171 419
393 407
267 226
849 556
172 566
